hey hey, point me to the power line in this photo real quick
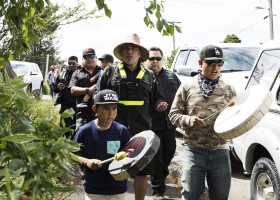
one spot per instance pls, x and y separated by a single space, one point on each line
251 25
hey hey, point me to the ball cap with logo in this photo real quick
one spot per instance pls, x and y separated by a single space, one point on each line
211 52
107 57
88 51
106 97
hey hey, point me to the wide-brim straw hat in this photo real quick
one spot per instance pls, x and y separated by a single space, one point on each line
135 40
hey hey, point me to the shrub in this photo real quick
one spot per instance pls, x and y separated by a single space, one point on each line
46 88
33 151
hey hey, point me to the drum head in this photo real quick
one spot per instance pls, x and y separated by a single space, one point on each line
141 149
250 107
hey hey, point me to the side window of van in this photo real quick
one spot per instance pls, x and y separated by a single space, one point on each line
181 59
193 60
267 69
34 69
187 57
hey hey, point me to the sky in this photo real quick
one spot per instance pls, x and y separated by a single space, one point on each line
202 22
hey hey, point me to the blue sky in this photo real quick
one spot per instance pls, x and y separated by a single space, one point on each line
202 22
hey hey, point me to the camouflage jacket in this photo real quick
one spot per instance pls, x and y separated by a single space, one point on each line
190 102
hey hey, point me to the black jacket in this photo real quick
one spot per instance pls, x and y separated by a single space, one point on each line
65 98
135 118
168 84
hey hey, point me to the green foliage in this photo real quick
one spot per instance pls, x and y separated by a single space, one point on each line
155 9
232 39
33 151
170 59
46 89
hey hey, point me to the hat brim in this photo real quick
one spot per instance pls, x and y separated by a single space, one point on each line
104 103
118 51
214 58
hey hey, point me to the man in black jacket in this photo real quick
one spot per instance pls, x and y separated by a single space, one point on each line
168 84
138 95
65 98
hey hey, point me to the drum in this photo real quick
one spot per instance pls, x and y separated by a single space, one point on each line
249 108
140 150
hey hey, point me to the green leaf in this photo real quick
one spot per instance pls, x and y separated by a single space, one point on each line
158 15
100 4
75 158
108 12
39 22
40 4
159 25
68 113
146 20
178 29
20 138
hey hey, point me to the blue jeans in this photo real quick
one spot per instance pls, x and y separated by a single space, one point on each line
214 165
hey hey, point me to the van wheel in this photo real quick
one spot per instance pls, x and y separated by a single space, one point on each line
265 181
38 95
29 89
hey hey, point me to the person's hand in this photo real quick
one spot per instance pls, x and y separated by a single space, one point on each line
162 106
60 86
92 89
196 122
93 164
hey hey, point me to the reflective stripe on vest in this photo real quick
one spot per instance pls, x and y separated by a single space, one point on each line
140 75
132 103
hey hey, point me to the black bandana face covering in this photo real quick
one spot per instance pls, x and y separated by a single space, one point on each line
206 85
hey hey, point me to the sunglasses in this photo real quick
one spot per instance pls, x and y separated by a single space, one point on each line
213 63
155 58
89 57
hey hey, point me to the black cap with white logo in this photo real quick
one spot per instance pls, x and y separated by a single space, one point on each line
106 97
211 52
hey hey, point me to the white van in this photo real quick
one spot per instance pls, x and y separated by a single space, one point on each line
240 59
32 75
259 148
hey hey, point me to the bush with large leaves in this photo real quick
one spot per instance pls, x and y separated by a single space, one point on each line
34 155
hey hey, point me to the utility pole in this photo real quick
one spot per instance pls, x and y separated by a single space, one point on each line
271 20
270 15
173 23
47 68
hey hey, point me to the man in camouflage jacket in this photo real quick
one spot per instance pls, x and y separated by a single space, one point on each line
206 153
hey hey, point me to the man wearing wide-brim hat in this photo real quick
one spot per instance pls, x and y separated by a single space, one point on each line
138 94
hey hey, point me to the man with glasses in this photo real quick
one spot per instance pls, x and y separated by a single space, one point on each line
81 85
168 84
138 94
65 98
206 153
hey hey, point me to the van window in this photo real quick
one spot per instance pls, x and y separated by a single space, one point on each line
239 59
181 59
193 60
20 69
266 69
187 57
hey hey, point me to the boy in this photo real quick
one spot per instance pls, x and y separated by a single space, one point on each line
102 139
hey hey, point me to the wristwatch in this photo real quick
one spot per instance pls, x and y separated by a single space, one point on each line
87 90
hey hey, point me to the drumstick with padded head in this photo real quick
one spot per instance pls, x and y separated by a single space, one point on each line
229 104
118 156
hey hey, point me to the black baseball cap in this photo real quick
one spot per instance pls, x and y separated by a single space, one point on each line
211 52
106 97
107 57
88 51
